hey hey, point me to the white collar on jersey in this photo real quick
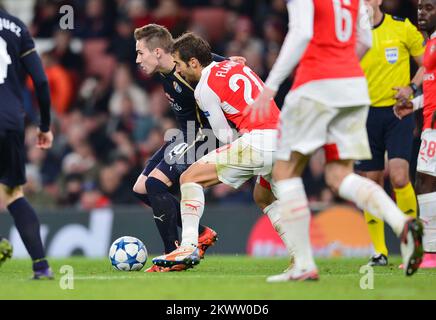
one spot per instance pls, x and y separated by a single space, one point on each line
210 66
433 35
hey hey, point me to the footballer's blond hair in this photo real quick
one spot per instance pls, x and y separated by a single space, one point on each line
155 36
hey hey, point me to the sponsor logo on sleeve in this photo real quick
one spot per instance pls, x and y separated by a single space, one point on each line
177 87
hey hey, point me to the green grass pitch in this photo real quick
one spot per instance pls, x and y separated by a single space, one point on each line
216 278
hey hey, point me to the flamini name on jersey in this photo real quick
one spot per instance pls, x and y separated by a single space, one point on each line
225 68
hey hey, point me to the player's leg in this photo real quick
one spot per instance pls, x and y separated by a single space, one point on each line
303 130
159 187
25 218
399 144
28 226
233 165
262 194
348 141
376 226
199 175
155 185
159 198
139 189
294 215
425 189
268 203
5 246
165 206
404 192
374 169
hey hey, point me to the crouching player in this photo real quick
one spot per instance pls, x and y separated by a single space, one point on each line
223 92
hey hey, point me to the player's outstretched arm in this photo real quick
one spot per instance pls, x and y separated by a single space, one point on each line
301 17
364 31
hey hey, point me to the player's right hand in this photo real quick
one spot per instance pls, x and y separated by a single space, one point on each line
238 59
44 139
403 108
260 107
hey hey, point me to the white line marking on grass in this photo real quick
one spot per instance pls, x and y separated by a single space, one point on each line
164 276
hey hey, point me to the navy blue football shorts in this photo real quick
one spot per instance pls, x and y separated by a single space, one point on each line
165 159
12 158
387 133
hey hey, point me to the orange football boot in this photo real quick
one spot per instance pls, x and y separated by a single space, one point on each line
205 240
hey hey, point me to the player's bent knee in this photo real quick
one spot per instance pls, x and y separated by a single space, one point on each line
399 182
13 194
335 173
399 179
155 185
262 196
191 174
139 186
185 177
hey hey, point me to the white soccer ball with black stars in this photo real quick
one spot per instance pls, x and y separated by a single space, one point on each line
128 254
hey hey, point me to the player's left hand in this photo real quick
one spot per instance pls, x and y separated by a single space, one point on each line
261 105
403 93
238 59
44 139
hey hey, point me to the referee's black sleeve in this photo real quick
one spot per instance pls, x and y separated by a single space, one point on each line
34 68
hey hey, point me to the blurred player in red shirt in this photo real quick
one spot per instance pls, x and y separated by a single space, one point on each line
426 168
327 107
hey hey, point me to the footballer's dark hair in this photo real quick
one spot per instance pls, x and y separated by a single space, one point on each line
190 46
155 36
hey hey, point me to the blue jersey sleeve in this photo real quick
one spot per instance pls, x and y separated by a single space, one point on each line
218 58
27 43
34 68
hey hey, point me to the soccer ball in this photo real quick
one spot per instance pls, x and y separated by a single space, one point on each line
128 254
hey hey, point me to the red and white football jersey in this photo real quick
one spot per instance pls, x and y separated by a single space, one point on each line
322 38
429 84
331 53
224 91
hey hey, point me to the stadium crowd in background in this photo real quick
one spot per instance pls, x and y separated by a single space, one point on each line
108 118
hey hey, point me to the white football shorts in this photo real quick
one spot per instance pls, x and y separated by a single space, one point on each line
307 125
239 161
427 153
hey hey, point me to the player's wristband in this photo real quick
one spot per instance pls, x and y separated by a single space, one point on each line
414 88
44 128
417 103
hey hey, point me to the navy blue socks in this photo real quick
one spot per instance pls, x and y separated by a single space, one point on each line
28 227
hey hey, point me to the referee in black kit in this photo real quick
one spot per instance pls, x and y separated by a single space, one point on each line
18 57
